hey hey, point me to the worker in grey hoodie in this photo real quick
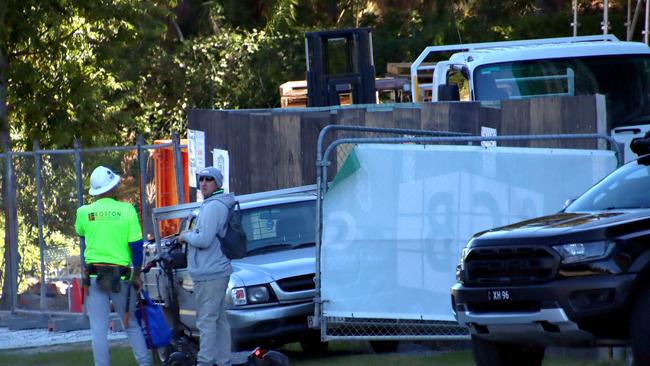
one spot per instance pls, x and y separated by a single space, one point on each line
210 269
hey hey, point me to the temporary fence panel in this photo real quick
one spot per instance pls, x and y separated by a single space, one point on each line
49 186
28 242
397 216
59 196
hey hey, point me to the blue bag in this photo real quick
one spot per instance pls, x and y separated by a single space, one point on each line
152 321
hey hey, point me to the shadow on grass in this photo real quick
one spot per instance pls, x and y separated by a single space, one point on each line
360 354
339 354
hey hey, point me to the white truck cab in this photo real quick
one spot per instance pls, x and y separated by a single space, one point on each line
583 65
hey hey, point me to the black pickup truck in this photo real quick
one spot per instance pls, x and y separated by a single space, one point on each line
578 278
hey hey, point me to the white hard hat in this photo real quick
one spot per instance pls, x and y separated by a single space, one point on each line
102 180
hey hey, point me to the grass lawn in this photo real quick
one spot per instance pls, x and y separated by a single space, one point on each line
340 354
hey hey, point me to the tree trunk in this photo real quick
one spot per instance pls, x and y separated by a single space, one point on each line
332 11
6 296
9 293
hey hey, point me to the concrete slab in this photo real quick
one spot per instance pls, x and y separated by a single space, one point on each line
66 324
73 321
4 319
21 322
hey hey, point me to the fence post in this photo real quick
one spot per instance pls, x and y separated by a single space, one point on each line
178 168
80 199
139 141
39 210
11 222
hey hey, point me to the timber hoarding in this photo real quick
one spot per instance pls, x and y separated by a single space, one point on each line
276 148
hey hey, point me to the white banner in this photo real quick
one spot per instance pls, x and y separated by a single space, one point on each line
195 154
221 161
397 217
488 131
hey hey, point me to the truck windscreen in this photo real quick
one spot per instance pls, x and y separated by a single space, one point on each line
623 79
626 188
277 226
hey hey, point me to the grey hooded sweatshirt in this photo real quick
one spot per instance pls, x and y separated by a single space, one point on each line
205 260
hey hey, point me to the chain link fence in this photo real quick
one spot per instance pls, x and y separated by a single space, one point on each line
41 191
335 151
391 329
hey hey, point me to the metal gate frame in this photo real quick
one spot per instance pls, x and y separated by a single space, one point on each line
350 328
9 197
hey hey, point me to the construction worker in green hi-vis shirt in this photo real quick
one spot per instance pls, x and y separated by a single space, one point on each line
113 243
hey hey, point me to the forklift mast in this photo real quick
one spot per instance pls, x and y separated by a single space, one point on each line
340 61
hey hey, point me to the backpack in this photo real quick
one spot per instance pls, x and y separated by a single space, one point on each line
233 242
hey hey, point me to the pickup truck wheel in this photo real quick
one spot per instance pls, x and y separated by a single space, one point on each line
384 346
489 353
640 328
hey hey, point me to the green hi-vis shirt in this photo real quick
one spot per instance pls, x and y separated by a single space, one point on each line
108 226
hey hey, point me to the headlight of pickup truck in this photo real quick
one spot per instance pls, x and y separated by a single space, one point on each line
461 264
582 252
463 255
250 295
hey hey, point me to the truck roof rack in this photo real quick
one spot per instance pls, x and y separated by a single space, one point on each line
417 64
276 193
168 211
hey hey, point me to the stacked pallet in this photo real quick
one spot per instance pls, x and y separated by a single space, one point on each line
293 94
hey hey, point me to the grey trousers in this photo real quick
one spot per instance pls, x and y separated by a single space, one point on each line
212 322
98 307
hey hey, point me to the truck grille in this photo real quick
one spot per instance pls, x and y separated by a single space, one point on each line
510 265
298 283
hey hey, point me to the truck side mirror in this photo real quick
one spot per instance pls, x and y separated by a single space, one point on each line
641 145
448 92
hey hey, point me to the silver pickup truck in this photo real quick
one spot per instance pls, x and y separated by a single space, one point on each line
271 290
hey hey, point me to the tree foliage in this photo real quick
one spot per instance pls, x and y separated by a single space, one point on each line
227 70
67 70
72 66
102 71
